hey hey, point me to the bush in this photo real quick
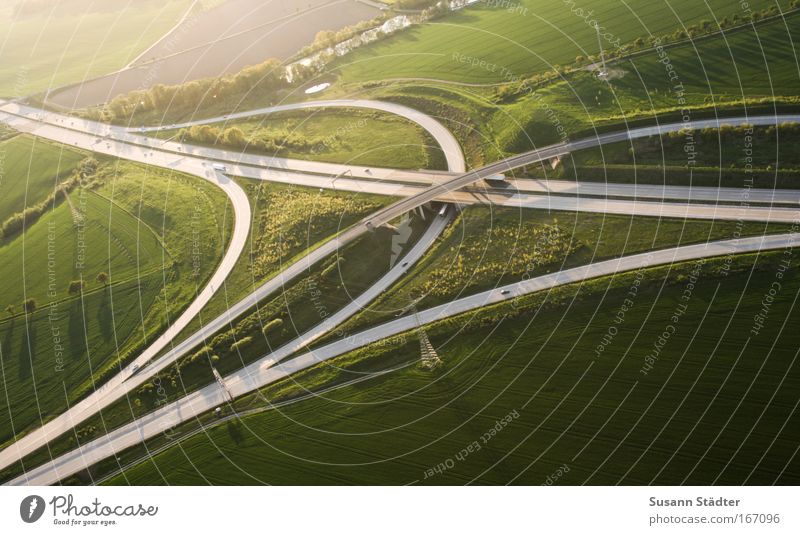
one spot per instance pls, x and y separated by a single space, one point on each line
271 326
244 342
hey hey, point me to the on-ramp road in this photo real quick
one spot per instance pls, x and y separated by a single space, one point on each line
444 190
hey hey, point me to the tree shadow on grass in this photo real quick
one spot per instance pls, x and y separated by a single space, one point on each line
8 338
105 320
75 330
234 428
27 353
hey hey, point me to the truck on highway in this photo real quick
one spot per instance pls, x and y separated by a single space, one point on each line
496 178
219 167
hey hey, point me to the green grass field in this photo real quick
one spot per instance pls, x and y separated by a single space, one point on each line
29 171
484 249
70 41
347 136
515 43
157 234
707 412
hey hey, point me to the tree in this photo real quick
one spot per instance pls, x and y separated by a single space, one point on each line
29 305
75 287
324 38
89 166
102 277
119 106
203 134
234 137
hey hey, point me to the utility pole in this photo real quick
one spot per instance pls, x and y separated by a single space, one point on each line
603 74
428 357
221 383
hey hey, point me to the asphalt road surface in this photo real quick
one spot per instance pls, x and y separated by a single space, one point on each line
95 136
546 153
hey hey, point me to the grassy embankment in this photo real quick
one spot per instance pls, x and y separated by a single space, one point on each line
501 247
491 247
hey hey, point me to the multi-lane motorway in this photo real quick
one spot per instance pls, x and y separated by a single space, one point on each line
534 194
126 381
547 153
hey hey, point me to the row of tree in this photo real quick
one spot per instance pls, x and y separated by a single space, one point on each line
19 221
264 141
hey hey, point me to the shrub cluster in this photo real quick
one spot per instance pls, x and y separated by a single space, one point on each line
525 248
234 137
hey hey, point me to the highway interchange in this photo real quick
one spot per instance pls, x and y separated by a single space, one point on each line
414 189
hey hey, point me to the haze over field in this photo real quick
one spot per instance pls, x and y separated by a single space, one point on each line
222 40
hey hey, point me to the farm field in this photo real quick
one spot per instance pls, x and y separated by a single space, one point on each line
347 136
134 225
500 245
53 254
600 417
46 45
513 43
31 169
223 40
